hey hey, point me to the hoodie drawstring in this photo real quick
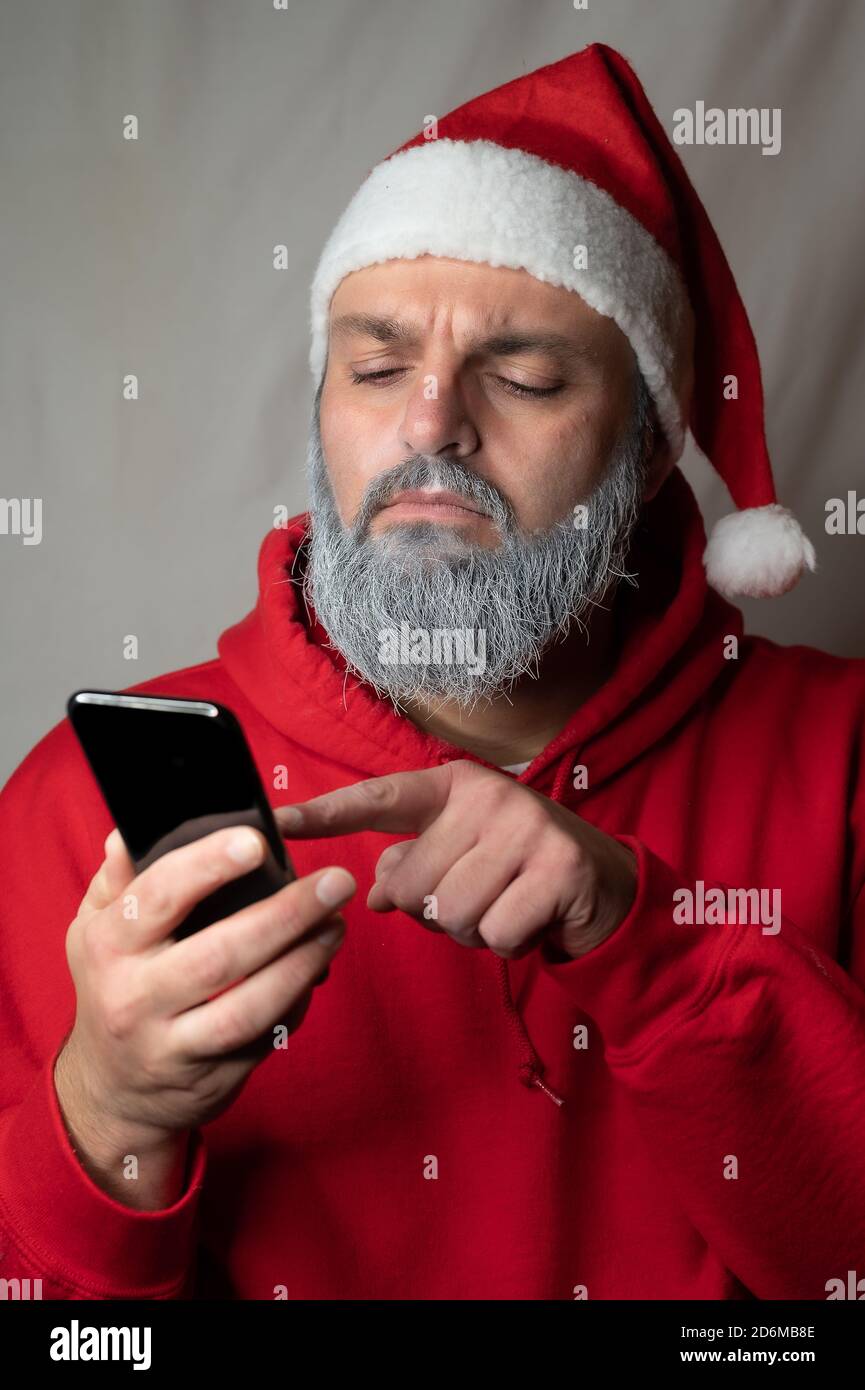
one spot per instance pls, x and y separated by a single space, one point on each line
564 772
531 1068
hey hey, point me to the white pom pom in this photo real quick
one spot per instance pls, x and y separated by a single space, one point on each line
757 553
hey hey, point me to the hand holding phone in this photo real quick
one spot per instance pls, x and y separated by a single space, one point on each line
171 770
164 1039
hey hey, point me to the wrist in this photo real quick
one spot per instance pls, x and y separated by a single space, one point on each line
622 886
94 1125
138 1166
616 884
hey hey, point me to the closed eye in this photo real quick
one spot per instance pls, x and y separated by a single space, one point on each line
375 376
518 389
514 388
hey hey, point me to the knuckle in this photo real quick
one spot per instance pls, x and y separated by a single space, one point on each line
286 914
495 940
461 770
209 1092
459 926
228 1026
299 970
151 1068
155 897
120 1014
97 892
215 866
399 893
572 857
84 939
454 919
380 792
329 809
211 962
489 796
91 945
390 858
467 777
534 816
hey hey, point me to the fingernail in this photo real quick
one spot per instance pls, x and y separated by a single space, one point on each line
335 887
244 847
291 817
111 840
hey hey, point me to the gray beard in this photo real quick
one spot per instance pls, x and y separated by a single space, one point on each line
423 614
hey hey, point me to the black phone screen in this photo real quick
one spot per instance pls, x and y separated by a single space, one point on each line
172 770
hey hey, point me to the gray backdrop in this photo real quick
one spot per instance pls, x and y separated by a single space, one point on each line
256 126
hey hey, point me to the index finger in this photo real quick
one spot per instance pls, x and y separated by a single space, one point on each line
401 802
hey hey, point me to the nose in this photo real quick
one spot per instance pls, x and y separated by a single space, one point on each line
436 420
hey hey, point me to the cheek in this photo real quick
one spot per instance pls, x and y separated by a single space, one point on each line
562 465
353 453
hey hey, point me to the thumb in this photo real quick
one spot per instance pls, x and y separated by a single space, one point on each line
114 873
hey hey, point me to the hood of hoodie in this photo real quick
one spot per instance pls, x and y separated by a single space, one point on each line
670 632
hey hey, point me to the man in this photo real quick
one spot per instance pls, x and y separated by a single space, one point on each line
591 1021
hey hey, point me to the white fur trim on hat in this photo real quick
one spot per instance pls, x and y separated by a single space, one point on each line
479 201
760 552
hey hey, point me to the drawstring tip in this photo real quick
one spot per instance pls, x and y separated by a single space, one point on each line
529 1077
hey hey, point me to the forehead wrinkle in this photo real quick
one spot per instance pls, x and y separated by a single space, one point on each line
516 340
504 341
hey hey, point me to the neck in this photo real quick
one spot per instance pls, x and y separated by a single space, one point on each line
519 725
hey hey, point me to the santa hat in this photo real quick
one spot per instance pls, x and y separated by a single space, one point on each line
573 156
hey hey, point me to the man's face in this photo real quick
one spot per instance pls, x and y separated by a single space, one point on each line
434 356
476 465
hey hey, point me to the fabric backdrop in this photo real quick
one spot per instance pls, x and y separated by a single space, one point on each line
155 257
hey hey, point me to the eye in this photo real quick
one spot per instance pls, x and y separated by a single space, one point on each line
516 388
381 376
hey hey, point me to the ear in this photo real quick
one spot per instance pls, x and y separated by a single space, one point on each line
656 456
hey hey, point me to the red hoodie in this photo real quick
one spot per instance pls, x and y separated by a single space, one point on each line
433 1129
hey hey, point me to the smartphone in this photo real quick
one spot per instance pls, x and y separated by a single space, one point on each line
172 770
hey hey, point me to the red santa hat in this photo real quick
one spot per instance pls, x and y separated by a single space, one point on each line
572 156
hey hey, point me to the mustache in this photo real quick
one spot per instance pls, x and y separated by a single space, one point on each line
441 471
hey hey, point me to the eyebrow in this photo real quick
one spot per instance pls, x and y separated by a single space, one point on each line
396 332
